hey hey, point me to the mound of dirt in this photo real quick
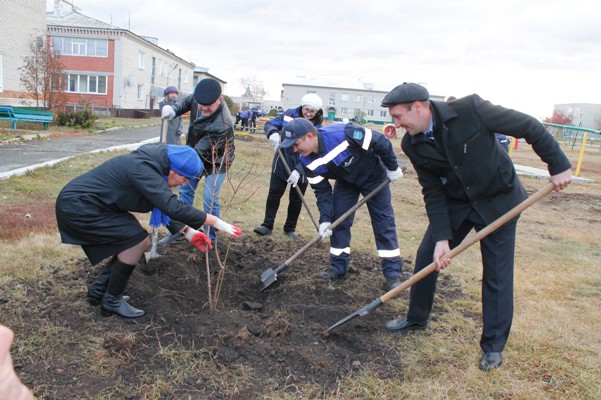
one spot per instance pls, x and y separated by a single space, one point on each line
278 333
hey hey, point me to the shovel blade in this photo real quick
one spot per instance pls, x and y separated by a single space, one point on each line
268 278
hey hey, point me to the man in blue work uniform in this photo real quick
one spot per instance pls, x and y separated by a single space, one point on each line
359 160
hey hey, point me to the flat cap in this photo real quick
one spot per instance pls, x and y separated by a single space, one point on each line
405 93
207 91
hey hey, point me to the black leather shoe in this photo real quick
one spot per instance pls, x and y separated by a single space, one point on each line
331 275
262 230
293 235
392 282
491 360
402 325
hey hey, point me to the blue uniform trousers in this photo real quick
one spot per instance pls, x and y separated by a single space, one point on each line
346 195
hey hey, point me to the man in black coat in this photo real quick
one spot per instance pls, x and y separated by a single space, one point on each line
468 181
211 134
95 209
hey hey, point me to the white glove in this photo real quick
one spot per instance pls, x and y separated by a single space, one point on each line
394 175
324 230
274 139
167 112
293 178
223 226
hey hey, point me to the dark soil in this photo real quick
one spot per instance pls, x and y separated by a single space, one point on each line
278 334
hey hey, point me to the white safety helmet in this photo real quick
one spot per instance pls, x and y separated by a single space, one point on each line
312 99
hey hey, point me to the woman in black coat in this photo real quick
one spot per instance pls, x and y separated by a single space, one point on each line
95 209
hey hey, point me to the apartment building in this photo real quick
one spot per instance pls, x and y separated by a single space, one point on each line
112 68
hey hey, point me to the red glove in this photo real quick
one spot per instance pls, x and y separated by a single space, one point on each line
198 239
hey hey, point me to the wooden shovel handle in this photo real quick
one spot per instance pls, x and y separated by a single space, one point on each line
298 191
467 242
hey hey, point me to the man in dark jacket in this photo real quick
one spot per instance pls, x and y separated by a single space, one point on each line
95 209
359 160
310 109
211 134
468 181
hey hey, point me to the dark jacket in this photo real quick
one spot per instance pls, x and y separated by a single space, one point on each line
467 169
347 152
212 137
90 205
174 130
276 125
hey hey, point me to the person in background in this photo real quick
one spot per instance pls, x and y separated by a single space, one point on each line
174 131
95 209
310 108
211 134
358 160
468 181
252 121
11 387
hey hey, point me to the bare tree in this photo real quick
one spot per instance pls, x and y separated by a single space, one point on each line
254 86
42 74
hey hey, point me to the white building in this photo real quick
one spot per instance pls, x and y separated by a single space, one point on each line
343 100
23 24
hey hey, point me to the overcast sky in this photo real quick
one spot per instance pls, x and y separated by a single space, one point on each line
521 54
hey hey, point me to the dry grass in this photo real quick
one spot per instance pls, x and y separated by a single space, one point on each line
555 344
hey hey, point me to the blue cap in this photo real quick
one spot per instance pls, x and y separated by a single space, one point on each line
207 91
295 129
184 160
405 93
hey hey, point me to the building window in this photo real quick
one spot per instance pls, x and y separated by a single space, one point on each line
357 99
370 113
383 113
140 87
344 97
95 84
371 99
140 60
186 77
68 46
332 99
344 110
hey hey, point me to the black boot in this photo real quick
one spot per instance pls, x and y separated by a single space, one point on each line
97 289
113 303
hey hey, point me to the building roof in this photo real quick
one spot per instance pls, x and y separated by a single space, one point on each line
77 20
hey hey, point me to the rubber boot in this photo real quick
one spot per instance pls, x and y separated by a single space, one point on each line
113 302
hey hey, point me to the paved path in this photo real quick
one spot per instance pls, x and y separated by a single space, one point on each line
19 158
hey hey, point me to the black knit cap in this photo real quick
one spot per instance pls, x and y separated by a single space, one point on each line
207 91
405 93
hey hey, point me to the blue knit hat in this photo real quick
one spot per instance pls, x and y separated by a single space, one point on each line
207 91
184 160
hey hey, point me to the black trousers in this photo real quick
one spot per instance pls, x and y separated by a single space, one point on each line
498 250
277 188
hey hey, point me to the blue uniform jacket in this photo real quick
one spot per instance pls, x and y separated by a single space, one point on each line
348 152
275 126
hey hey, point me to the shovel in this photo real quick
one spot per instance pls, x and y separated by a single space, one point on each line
493 226
300 194
153 253
270 276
